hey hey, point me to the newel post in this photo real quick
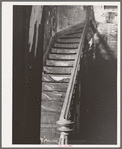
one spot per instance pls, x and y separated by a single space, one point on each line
65 127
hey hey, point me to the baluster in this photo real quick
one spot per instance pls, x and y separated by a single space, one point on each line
65 128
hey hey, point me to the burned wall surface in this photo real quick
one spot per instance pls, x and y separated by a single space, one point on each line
50 24
70 15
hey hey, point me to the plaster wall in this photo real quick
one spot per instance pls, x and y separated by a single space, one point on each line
107 18
69 15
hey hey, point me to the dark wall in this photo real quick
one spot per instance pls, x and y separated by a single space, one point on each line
50 24
26 79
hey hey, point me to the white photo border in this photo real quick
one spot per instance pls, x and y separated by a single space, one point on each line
7 67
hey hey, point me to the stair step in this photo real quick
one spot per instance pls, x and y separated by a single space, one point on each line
51 105
49 138
74 31
54 86
46 97
58 96
76 35
50 129
63 45
56 50
54 78
49 125
57 70
59 63
72 40
61 56
46 77
49 117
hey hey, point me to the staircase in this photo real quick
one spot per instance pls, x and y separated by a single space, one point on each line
55 79
59 77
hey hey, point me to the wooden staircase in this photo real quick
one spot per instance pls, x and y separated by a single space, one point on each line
60 69
55 79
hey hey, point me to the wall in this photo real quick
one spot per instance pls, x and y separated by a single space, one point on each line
99 96
27 71
70 15
108 27
50 24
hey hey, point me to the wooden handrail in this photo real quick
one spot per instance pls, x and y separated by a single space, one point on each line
63 122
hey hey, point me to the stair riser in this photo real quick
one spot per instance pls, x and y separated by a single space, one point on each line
46 77
65 45
49 118
59 63
57 70
59 56
49 138
50 130
52 105
74 40
78 35
54 95
56 50
57 99
49 78
54 86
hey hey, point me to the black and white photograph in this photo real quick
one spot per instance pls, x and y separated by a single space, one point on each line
61 74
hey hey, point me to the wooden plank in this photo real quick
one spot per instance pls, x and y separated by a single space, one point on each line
54 86
70 40
49 117
52 105
68 29
77 35
59 63
53 95
57 50
57 70
64 45
62 56
55 78
49 138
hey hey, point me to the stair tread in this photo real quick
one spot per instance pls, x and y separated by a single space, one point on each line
57 70
59 75
57 50
54 86
54 94
51 105
71 35
64 45
50 130
62 56
47 97
49 138
75 31
49 117
49 125
70 40
59 63
52 78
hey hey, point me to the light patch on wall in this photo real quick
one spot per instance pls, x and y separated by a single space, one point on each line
35 19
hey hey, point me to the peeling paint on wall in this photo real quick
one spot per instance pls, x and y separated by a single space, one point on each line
108 26
35 19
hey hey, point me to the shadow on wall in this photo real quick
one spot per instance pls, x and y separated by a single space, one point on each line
99 98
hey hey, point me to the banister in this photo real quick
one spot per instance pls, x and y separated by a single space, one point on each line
63 122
